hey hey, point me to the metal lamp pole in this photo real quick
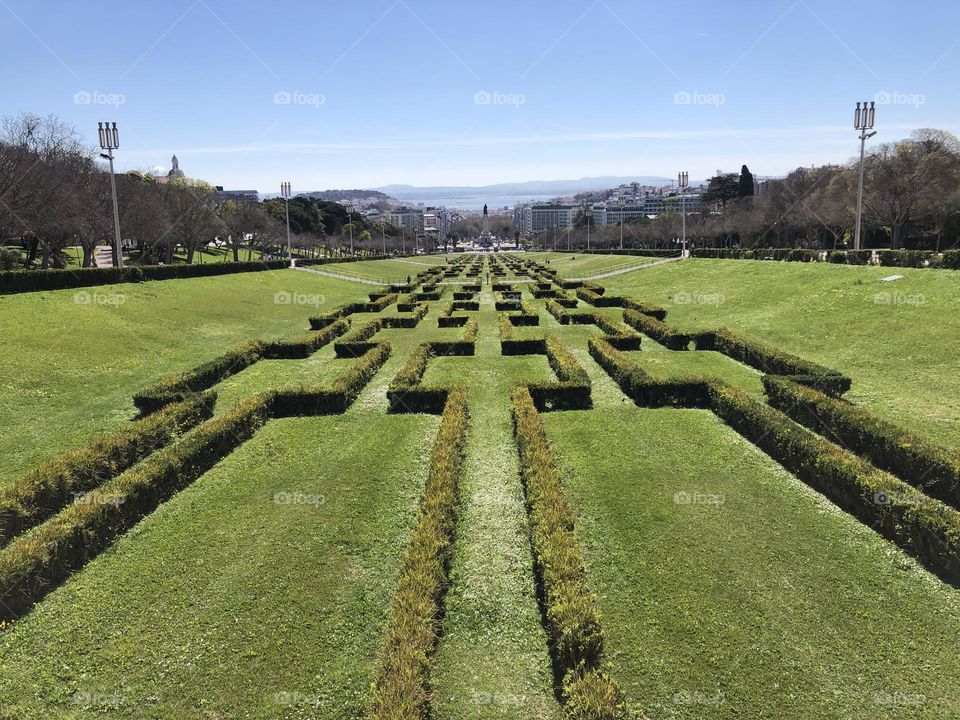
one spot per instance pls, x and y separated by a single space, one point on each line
110 141
620 203
589 223
683 181
383 230
285 191
350 218
862 120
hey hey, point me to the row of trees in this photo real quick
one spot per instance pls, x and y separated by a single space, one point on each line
911 199
54 195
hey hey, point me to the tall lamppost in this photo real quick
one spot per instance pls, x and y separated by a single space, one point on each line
110 141
683 182
285 191
589 223
383 230
620 203
350 218
862 120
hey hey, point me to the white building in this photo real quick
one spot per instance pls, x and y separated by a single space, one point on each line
550 217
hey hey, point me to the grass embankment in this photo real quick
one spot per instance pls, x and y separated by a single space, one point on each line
895 339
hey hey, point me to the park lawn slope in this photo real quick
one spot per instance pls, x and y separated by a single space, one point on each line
69 369
764 601
238 598
897 340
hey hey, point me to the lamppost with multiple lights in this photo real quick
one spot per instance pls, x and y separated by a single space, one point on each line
350 218
683 182
285 191
110 141
863 118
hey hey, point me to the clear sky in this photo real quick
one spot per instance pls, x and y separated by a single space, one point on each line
375 92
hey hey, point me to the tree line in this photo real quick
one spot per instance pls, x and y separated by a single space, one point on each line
54 195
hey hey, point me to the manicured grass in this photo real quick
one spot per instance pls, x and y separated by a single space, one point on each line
584 265
769 603
69 369
492 661
901 356
388 271
232 600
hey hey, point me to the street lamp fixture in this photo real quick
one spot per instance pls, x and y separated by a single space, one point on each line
110 141
620 203
683 182
863 118
285 191
350 219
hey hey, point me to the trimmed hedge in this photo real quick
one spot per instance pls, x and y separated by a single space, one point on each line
18 281
176 388
401 687
641 306
930 468
660 331
570 610
924 527
40 559
772 361
573 390
906 258
49 488
850 257
304 347
644 390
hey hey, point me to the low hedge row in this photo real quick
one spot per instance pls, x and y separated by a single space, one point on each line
175 388
924 527
376 304
406 321
357 343
459 295
49 488
637 252
644 390
311 401
570 610
772 361
18 281
890 258
305 346
406 394
930 468
527 316
466 305
641 306
660 331
850 257
572 392
401 687
40 559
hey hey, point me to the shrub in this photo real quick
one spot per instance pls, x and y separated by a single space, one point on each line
931 469
905 258
40 559
950 260
305 346
922 526
176 388
17 281
570 609
657 329
641 306
772 361
54 484
406 394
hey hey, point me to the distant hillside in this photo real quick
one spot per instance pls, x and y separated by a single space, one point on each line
532 187
354 195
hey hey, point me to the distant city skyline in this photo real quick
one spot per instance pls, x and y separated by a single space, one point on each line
426 93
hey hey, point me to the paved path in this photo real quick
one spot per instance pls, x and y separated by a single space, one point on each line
621 271
348 278
103 255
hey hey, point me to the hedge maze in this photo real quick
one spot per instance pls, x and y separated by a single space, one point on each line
71 508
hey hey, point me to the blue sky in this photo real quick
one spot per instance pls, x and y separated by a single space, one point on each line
423 92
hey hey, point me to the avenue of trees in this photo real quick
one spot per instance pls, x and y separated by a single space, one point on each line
911 200
54 195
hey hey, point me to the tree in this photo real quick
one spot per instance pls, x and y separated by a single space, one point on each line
720 190
745 184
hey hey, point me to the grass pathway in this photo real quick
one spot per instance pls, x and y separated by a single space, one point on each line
492 661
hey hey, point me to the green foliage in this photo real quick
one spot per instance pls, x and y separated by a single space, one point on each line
930 468
401 684
660 331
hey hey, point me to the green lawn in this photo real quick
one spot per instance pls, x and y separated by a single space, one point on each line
69 369
764 601
901 354
584 265
760 599
386 271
